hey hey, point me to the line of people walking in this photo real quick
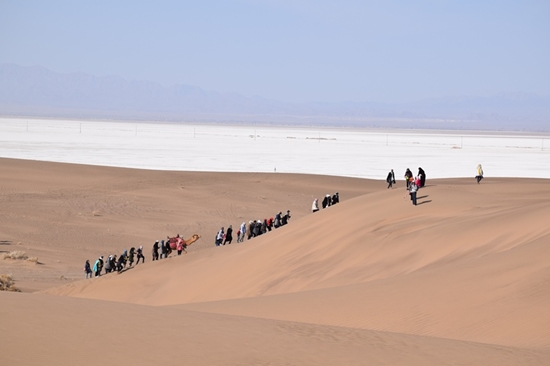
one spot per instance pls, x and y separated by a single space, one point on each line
253 229
328 201
112 263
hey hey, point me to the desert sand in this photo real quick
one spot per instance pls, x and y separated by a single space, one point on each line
460 279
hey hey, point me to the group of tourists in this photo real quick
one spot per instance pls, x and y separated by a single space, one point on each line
161 249
251 230
413 184
112 263
328 200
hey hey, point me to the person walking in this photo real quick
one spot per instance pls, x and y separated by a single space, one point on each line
479 175
390 179
242 233
155 251
108 264
315 205
335 198
250 229
413 188
422 176
219 237
408 176
286 218
277 220
87 269
131 256
98 266
140 255
163 250
228 235
121 263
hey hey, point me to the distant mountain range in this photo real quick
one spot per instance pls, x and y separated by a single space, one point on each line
38 92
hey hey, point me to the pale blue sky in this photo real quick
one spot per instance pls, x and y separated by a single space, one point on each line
296 51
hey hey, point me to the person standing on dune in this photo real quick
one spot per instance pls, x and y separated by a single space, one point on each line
422 175
413 188
479 175
408 176
390 179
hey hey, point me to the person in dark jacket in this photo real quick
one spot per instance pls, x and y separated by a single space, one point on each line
88 269
335 198
140 255
278 220
113 262
163 250
390 179
422 175
121 263
228 235
286 217
324 204
257 228
250 229
131 256
408 176
155 251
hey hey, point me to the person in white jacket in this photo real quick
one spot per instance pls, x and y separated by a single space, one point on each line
242 233
413 188
315 205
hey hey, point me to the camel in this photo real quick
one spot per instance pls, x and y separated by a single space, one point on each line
172 243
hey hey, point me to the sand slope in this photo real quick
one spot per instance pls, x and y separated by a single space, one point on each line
465 264
459 279
65 331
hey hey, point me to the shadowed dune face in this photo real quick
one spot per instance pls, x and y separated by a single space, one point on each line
459 279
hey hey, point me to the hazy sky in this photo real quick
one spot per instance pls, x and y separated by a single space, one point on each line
297 51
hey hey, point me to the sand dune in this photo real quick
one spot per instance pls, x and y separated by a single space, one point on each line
459 279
